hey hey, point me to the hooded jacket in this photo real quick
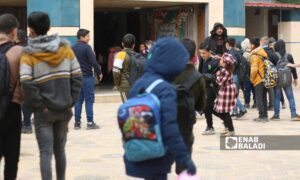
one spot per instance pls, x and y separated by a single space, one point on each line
166 60
257 72
280 49
50 74
212 40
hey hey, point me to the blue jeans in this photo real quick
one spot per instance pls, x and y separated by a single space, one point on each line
87 94
248 88
26 114
239 105
290 96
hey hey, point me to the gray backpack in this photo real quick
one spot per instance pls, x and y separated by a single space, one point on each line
284 73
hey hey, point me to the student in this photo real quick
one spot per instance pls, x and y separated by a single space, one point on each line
208 67
281 50
256 77
167 59
227 95
88 64
121 67
197 91
51 79
10 125
239 111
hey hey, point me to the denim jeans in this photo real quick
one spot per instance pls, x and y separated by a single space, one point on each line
87 94
248 88
51 129
239 105
26 114
290 96
271 97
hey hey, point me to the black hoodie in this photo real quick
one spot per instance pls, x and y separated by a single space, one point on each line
212 40
280 48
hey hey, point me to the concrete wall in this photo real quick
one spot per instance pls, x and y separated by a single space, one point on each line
257 24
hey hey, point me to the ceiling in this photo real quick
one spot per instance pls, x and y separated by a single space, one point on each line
109 4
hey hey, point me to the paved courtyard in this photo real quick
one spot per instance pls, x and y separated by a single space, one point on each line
97 154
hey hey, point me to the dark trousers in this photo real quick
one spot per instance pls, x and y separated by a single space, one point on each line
248 88
271 97
227 120
261 100
158 177
26 114
10 142
208 111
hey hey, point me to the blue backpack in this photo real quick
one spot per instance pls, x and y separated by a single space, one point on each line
139 122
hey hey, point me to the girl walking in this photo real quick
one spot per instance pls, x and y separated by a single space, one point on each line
226 98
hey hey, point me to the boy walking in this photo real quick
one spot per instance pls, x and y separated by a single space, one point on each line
10 124
51 79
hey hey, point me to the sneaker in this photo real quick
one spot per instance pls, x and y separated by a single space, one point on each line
241 114
225 131
283 106
77 126
257 119
92 126
246 106
26 130
233 115
296 118
229 133
271 108
254 106
209 131
264 120
275 118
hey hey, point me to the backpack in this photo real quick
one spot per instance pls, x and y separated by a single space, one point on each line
139 122
5 90
284 73
186 105
136 67
244 68
271 74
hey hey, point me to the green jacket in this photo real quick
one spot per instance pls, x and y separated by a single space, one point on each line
197 90
121 70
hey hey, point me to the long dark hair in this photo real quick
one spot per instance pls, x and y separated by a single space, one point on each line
229 68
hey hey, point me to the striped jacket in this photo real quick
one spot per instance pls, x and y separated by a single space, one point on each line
50 74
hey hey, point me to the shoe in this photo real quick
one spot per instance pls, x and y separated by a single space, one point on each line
271 108
257 119
225 131
229 133
92 126
296 118
26 130
283 106
254 106
209 131
77 126
264 120
233 115
241 114
247 106
275 118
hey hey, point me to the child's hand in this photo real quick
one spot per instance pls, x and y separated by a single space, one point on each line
290 65
191 168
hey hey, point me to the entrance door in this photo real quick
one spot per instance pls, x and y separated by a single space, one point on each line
273 23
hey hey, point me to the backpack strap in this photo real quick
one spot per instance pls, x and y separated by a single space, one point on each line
153 85
191 80
5 47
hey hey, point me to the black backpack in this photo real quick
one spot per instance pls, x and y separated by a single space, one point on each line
5 90
244 67
284 73
136 67
186 105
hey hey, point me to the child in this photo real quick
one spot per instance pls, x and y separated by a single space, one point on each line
227 95
166 60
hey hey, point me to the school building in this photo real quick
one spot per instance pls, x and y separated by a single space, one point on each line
109 20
